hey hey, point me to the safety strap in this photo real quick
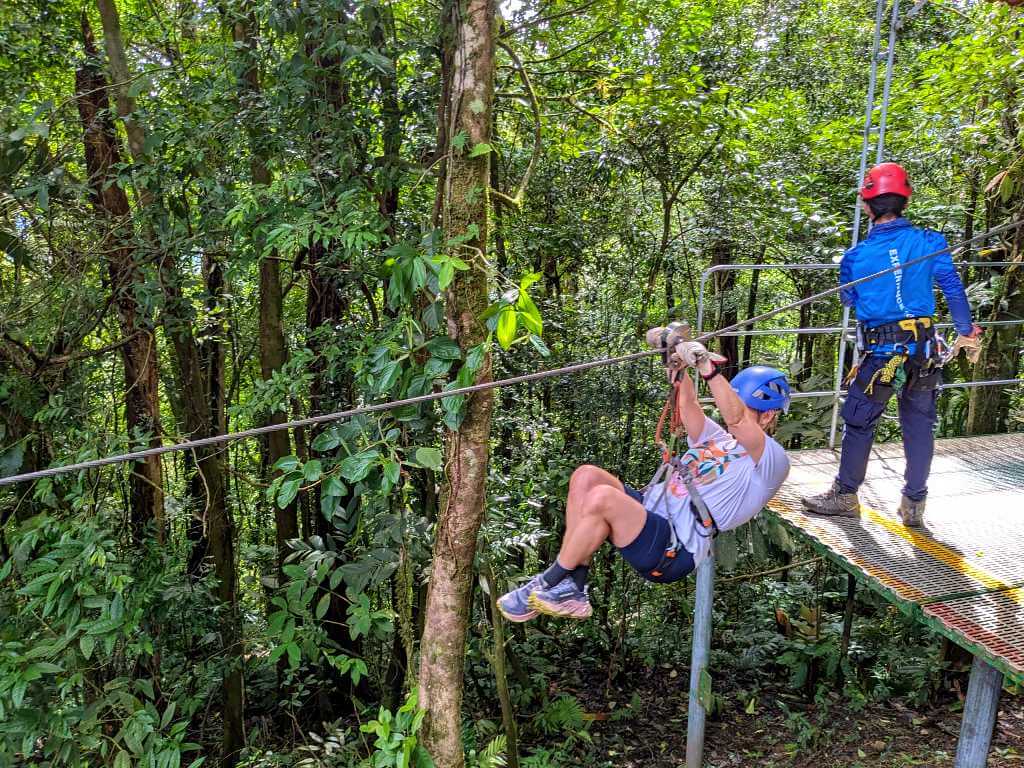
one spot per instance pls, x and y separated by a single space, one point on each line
700 507
670 414
901 341
672 465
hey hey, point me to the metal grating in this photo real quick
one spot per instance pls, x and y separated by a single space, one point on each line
964 570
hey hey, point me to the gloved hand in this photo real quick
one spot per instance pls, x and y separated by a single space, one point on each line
668 336
970 344
696 356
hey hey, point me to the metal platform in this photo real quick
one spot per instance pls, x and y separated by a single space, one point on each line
963 572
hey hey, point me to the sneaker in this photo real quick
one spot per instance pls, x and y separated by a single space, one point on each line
911 512
833 503
563 599
515 605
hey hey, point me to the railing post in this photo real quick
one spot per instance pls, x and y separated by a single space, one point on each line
840 360
855 237
700 678
979 716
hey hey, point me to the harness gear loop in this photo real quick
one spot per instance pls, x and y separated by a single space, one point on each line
886 373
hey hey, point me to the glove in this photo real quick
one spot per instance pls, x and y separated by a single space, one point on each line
971 346
695 355
668 337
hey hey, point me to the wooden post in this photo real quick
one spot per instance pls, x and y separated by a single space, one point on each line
700 681
979 716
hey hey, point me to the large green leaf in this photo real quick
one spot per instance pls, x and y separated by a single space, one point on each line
357 466
507 321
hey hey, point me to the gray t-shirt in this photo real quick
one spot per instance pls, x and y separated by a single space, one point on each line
734 488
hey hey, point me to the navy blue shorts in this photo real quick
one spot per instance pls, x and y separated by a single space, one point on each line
646 553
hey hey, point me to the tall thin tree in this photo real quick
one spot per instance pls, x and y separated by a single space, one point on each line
468 29
138 353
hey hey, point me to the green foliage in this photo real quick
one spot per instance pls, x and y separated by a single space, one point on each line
397 744
675 135
563 714
79 610
492 756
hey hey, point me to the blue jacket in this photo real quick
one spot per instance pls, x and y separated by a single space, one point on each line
905 293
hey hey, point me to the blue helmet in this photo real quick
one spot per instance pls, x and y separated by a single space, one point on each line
763 388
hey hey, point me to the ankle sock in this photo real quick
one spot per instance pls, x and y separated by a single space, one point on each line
554 574
557 573
579 575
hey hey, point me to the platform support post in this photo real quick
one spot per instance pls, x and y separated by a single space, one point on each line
979 716
851 602
699 678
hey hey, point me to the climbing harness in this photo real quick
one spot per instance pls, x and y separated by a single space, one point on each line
672 468
327 418
913 352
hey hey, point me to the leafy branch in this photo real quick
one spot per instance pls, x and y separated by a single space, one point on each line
516 201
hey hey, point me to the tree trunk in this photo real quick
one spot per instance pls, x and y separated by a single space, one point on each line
200 375
389 174
120 75
109 201
752 307
805 341
202 408
726 314
508 715
469 28
989 407
273 352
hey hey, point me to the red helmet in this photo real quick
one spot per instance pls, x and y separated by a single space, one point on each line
886 179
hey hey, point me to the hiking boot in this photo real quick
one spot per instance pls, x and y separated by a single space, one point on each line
515 605
833 503
563 599
911 512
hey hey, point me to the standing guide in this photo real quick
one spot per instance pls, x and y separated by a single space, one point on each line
900 351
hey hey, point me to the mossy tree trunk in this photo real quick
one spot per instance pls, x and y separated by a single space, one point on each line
469 31
138 353
273 351
199 367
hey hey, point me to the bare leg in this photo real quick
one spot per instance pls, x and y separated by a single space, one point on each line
604 512
584 480
597 508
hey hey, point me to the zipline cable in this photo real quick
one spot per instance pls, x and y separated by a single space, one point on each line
206 442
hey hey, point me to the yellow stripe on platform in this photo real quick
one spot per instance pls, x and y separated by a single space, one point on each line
943 554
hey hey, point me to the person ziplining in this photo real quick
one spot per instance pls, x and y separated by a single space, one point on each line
901 354
724 478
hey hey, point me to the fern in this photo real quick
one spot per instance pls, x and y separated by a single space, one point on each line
493 755
562 714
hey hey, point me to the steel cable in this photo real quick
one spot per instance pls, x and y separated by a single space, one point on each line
568 370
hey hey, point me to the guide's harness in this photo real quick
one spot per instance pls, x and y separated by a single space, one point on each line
673 467
911 341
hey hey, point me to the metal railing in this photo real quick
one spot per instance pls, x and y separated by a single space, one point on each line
838 392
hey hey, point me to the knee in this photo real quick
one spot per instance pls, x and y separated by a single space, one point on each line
860 413
583 476
600 499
